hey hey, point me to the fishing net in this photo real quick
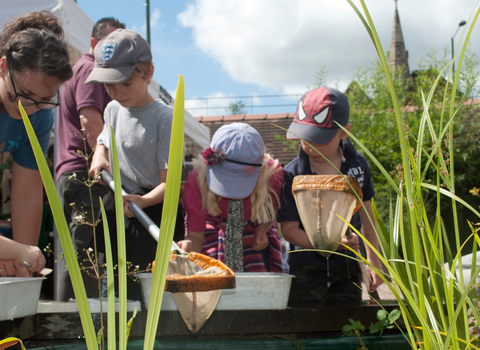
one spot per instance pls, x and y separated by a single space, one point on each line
320 200
196 282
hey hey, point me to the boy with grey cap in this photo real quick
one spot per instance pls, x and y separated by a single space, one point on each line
142 126
81 108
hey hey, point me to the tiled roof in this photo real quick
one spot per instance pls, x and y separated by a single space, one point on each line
263 123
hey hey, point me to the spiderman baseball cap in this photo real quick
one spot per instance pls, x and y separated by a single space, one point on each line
317 115
234 160
117 56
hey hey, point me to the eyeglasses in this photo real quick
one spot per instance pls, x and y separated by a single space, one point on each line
27 101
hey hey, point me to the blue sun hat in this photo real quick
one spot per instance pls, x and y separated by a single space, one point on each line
234 160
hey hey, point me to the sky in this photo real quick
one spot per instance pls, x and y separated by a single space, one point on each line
249 50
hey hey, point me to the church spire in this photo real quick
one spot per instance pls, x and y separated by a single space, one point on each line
398 57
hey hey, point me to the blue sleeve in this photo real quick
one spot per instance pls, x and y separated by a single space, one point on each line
368 191
42 122
288 208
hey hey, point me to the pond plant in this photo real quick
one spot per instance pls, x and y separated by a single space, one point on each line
172 193
435 301
424 272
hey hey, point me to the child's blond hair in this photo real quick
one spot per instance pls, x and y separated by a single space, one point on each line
142 69
263 208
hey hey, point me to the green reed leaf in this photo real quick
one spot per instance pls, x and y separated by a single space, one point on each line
169 214
122 256
64 235
110 282
439 305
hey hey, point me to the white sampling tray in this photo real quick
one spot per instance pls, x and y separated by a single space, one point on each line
49 306
19 296
254 291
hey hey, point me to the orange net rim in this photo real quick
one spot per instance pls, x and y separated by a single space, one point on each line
341 183
200 283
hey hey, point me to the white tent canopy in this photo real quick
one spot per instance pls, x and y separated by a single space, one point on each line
78 28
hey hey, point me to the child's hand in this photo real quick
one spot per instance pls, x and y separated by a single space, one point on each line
352 241
138 200
375 279
99 162
186 245
260 240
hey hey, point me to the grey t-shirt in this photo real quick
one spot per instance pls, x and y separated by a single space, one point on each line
142 136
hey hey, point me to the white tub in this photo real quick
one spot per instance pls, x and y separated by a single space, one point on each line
254 291
19 296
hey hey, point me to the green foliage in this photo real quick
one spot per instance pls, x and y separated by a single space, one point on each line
64 235
290 145
355 328
352 327
433 299
237 107
320 77
385 321
169 214
373 122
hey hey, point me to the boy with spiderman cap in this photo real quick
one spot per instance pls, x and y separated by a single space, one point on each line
318 281
142 127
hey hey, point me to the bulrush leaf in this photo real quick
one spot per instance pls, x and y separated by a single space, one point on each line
167 226
122 255
416 247
64 234
8 342
110 283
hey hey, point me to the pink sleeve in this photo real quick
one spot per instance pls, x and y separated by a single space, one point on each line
192 199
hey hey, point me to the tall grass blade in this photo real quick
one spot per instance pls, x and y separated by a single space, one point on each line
8 342
64 235
112 339
417 246
122 256
167 226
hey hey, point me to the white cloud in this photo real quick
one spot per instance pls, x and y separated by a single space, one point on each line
281 43
155 23
155 19
294 91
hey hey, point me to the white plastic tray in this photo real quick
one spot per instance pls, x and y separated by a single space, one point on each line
19 296
49 306
254 291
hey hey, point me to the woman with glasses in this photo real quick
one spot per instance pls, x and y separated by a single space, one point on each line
34 63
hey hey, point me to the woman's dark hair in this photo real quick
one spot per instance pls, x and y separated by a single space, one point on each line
35 41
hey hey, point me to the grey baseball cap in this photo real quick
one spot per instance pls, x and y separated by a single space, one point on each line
117 56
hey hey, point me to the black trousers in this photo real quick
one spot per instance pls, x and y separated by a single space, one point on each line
82 235
314 287
141 247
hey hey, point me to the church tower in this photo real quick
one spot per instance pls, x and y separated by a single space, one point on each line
398 57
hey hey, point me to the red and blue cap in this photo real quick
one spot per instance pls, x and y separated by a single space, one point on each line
317 115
